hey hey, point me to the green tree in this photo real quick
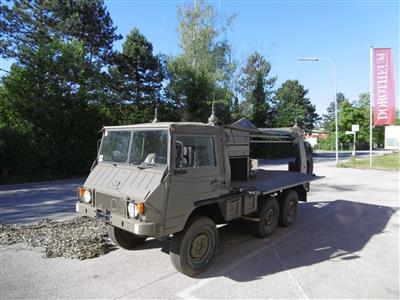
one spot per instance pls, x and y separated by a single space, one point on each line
256 87
53 88
136 79
89 22
354 113
294 107
362 104
63 127
27 27
349 115
328 119
27 24
24 27
202 72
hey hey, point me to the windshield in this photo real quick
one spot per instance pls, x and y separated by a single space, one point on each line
147 147
115 146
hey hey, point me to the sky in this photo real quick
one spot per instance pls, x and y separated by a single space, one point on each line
284 31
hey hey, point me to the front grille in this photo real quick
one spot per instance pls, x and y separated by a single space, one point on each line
112 204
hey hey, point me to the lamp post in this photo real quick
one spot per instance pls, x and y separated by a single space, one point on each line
335 100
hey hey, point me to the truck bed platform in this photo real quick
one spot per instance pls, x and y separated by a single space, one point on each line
269 181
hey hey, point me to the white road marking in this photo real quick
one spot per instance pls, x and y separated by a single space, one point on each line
296 285
186 293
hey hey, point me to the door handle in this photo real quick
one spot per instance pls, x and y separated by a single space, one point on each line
215 181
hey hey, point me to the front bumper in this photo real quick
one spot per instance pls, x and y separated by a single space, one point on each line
131 225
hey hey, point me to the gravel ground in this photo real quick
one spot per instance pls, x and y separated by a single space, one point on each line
79 238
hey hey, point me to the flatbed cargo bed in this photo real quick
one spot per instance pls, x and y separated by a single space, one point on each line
269 181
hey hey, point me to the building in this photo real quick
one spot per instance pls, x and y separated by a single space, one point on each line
392 137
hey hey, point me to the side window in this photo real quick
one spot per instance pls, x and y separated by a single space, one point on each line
194 152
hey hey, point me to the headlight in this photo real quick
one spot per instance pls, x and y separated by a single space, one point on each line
87 197
131 210
135 209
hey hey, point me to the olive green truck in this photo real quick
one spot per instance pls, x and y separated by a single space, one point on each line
179 180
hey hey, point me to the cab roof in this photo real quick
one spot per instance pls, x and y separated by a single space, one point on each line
156 125
174 127
204 128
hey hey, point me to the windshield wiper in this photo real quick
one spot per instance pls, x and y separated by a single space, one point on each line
140 167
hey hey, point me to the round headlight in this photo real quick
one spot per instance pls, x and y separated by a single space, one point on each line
87 197
131 210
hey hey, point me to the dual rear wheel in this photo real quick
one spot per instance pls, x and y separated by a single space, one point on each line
273 212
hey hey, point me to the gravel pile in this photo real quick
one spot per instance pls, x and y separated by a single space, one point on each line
79 238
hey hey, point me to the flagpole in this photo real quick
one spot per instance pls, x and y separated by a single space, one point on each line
370 102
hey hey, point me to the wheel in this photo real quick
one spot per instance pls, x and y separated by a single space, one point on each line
269 216
193 248
124 239
288 208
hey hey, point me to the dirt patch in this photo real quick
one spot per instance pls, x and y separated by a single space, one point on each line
79 238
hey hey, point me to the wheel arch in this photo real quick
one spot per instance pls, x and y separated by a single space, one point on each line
300 190
212 211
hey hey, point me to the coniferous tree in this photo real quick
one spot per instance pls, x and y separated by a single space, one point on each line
328 119
54 85
294 107
89 22
256 88
137 79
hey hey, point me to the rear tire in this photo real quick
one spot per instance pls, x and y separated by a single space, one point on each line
124 239
269 216
193 248
288 208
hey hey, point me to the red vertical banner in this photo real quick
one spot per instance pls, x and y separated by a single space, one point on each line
384 87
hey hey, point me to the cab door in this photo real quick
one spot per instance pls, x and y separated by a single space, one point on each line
195 174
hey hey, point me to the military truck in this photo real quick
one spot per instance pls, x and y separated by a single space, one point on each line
179 180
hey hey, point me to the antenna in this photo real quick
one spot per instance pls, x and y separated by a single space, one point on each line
155 120
212 119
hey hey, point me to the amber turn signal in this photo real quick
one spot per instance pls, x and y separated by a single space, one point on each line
81 191
139 208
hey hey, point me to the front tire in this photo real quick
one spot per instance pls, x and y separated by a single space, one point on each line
269 216
124 239
193 248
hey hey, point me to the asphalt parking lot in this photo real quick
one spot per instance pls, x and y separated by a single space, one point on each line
345 244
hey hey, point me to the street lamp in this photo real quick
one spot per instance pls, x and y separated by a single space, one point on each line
335 100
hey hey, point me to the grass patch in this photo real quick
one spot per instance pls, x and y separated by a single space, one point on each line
380 162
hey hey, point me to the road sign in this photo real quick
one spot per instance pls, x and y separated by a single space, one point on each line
349 132
355 128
